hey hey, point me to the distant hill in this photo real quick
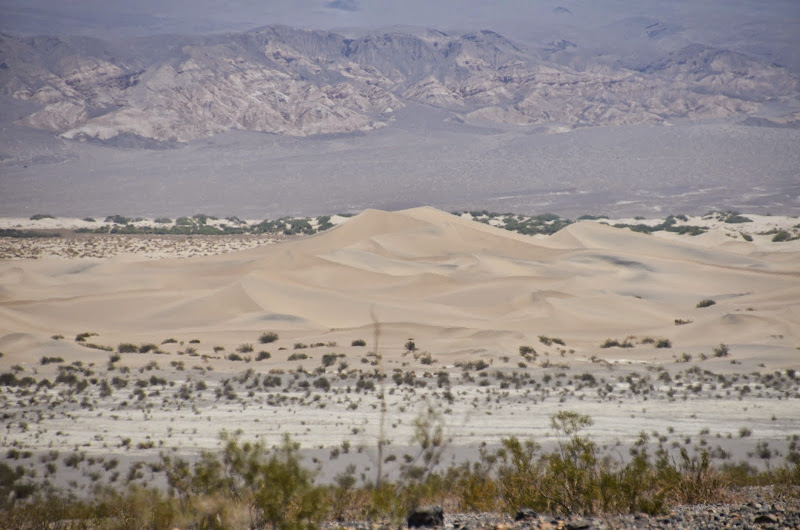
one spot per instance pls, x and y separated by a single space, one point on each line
277 79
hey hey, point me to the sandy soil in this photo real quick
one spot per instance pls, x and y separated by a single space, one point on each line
462 291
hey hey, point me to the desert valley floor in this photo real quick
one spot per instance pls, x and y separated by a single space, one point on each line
123 355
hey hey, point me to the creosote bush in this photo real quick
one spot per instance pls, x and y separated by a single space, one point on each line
268 337
247 485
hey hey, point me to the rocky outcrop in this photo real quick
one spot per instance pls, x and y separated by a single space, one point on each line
297 82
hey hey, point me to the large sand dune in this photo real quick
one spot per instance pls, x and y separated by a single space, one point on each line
455 285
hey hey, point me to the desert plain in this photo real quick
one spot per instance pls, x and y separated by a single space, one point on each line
134 350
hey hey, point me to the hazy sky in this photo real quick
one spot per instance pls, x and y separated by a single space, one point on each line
514 16
770 28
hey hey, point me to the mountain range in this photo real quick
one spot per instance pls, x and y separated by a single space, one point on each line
168 90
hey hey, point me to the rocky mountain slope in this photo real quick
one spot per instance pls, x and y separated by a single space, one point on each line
296 82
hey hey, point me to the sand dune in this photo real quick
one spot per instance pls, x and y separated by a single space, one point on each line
453 284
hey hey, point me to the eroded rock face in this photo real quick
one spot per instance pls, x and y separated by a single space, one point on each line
297 82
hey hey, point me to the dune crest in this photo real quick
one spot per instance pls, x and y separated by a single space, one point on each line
454 283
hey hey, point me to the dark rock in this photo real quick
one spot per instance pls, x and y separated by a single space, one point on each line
525 514
426 516
766 519
578 524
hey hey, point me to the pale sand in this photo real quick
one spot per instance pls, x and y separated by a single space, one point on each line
454 285
462 290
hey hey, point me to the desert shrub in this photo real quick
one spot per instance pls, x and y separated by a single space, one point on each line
169 341
611 343
663 343
147 348
426 359
781 235
235 357
548 341
744 432
736 218
263 355
163 220
322 383
706 302
365 384
40 216
410 346
682 322
329 359
81 337
268 337
127 347
245 348
50 360
300 346
298 357
270 381
721 351
277 488
118 219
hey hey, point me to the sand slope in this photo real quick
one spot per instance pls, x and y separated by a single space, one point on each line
452 284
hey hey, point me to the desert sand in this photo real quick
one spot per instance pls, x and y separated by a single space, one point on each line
463 292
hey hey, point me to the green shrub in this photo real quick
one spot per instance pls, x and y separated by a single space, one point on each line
118 219
781 235
277 488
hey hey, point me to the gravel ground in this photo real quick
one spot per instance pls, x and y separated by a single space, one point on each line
757 508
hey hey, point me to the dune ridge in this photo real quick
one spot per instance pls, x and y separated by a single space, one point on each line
453 283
